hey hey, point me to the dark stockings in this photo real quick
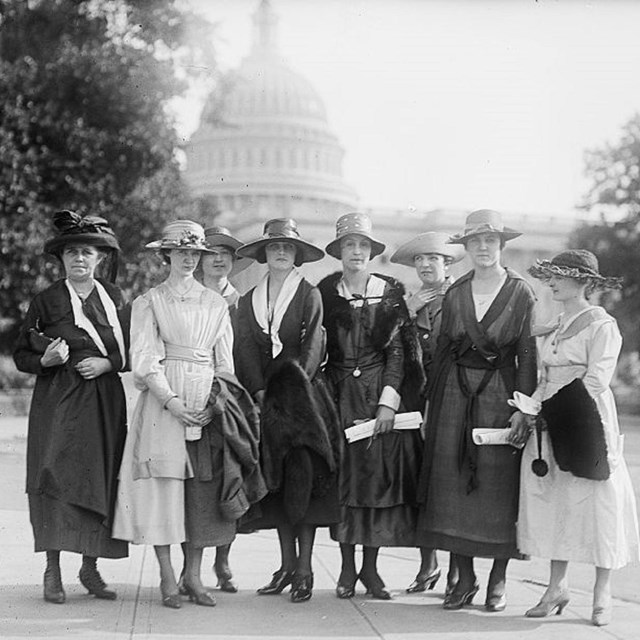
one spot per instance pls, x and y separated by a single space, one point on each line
296 548
467 576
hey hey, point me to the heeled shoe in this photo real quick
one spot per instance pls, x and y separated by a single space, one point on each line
495 602
170 600
458 598
182 590
53 589
424 583
546 607
301 588
375 586
203 598
601 616
346 589
279 581
225 582
449 589
92 581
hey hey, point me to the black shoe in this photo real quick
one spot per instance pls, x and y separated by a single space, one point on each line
302 588
458 598
225 582
92 581
53 590
374 586
279 581
424 583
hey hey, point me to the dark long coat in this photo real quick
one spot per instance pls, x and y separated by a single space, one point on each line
300 440
469 492
77 427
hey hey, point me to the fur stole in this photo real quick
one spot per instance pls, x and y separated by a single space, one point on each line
390 318
576 432
298 456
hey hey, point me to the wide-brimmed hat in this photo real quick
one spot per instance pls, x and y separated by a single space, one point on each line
281 230
221 236
180 234
354 224
429 242
71 227
578 264
484 221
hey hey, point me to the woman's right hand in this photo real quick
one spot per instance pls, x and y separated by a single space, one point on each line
419 299
56 353
176 408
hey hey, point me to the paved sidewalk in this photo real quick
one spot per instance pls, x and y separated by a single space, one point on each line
138 612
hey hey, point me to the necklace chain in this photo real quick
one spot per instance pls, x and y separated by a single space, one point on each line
183 295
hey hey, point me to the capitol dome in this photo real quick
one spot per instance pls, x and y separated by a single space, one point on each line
264 147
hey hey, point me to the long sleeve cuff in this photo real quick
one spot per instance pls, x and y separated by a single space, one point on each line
389 398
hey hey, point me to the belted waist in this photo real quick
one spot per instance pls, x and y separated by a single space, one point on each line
565 373
190 354
475 360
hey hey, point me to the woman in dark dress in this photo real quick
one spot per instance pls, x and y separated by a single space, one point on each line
281 346
485 353
372 348
431 255
74 340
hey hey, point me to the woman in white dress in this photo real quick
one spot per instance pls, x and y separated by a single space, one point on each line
564 517
180 337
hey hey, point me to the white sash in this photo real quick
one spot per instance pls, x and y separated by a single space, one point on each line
261 312
81 321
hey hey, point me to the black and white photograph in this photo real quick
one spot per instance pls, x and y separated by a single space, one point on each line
319 319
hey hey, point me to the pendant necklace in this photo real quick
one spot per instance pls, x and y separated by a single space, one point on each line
357 372
183 295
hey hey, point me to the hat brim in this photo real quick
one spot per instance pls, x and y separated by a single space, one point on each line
405 254
167 245
506 234
221 239
98 240
333 248
305 251
545 269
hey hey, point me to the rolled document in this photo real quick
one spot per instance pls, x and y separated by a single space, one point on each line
402 421
492 436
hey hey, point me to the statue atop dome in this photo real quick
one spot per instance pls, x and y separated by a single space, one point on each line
265 26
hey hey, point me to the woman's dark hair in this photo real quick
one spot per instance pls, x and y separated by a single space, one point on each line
261 253
503 242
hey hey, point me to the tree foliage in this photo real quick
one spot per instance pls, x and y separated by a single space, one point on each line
614 171
84 125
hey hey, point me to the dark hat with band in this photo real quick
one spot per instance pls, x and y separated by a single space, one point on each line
577 264
281 230
73 228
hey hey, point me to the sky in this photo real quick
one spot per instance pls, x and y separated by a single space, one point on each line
460 104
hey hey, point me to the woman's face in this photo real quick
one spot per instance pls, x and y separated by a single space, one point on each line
566 289
484 249
280 256
355 252
431 268
80 261
184 261
218 263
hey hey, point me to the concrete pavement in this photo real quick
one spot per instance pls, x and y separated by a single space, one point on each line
246 616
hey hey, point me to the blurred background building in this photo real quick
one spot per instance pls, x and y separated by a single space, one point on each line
266 150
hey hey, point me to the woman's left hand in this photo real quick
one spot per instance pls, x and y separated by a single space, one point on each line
384 420
93 367
520 429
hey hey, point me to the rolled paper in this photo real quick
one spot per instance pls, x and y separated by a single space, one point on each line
486 436
402 421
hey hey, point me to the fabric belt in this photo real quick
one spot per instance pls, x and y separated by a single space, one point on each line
190 354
